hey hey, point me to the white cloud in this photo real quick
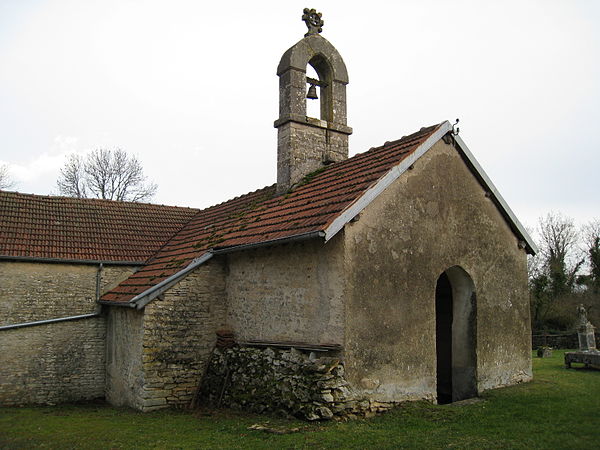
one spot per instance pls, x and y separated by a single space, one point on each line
43 169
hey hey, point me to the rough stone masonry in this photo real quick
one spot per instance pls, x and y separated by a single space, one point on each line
283 381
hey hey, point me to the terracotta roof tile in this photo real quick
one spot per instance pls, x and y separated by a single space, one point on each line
39 226
261 216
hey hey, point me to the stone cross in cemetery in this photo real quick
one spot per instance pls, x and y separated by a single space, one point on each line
587 354
585 331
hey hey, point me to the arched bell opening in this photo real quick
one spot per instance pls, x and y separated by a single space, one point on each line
455 329
322 83
313 96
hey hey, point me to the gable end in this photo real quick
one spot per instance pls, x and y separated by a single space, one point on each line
384 182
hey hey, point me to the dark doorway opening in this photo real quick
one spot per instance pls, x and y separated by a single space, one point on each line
455 336
443 339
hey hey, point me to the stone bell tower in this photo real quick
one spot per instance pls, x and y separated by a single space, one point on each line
305 144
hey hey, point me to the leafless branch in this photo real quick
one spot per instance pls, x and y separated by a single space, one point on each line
6 181
107 174
559 246
71 181
591 235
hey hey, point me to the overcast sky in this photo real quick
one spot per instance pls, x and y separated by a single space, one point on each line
190 88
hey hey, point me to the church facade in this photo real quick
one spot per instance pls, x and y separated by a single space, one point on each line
350 285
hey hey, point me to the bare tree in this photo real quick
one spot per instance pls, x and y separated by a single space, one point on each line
591 242
591 233
72 177
559 250
565 273
6 181
591 280
108 174
554 272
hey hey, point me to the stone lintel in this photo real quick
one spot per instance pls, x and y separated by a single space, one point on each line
313 122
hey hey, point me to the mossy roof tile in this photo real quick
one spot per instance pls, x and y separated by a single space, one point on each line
262 216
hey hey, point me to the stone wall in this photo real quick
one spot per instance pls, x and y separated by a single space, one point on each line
307 385
157 356
436 216
302 148
558 341
39 291
288 293
58 362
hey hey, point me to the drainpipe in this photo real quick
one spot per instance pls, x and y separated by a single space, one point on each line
98 281
44 322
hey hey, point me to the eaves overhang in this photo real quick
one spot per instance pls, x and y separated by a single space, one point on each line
94 262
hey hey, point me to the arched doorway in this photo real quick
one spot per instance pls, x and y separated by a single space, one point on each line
455 325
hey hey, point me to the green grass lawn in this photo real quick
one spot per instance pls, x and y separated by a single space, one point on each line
559 409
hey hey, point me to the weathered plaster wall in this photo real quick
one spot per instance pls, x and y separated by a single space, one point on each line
38 291
434 217
54 363
157 356
124 374
291 292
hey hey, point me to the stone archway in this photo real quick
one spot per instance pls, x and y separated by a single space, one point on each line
455 318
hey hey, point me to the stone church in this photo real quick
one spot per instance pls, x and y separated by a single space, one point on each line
348 286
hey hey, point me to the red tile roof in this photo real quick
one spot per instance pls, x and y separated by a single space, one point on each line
261 216
63 228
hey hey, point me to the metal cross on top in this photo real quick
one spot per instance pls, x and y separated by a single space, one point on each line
313 21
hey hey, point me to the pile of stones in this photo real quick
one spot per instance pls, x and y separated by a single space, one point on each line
281 381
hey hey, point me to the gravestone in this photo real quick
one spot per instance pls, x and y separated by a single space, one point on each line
587 354
585 331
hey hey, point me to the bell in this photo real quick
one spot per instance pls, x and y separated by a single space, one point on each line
312 92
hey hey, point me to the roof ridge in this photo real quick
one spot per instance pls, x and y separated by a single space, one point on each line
404 140
84 200
239 197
